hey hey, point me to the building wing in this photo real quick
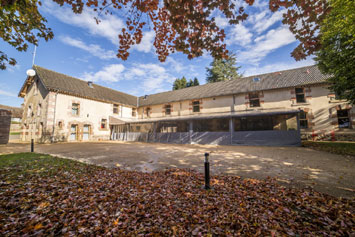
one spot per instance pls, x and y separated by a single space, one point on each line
276 80
65 84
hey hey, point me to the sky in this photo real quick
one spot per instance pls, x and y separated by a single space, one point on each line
85 50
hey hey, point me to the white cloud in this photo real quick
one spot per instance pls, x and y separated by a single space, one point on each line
6 93
239 35
147 78
265 19
266 44
110 73
146 44
249 71
152 78
93 49
109 27
221 21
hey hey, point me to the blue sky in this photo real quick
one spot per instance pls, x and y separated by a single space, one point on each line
85 50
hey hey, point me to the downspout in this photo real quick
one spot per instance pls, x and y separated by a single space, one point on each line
137 115
55 108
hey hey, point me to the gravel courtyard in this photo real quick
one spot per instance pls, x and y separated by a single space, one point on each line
296 166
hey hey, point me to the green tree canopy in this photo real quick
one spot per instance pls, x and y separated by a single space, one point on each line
337 55
222 70
183 83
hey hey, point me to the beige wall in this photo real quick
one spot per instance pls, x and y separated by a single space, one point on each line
320 107
91 113
34 120
56 108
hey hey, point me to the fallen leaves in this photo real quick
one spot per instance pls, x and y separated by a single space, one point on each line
89 200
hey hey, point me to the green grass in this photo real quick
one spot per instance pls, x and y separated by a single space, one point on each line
29 164
15 133
342 148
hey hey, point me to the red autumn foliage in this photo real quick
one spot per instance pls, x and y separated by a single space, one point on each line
76 199
188 26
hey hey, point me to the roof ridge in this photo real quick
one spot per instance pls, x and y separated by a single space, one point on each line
291 69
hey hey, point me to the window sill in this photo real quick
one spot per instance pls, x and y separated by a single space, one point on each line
300 104
336 101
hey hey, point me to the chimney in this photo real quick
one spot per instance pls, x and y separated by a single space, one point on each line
90 84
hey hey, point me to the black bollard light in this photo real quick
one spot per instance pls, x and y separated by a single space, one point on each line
32 145
207 172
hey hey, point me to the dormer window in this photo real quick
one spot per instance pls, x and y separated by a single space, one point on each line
167 109
196 106
300 97
147 112
75 109
115 109
254 100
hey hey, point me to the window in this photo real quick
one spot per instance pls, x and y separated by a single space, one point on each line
167 109
134 112
343 118
196 106
300 97
147 112
60 125
29 111
115 109
75 109
103 123
39 109
254 99
303 120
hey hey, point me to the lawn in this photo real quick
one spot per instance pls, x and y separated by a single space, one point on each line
44 195
342 148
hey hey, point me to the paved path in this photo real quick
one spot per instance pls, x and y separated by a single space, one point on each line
296 166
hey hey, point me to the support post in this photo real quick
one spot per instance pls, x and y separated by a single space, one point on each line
32 145
231 130
191 130
207 172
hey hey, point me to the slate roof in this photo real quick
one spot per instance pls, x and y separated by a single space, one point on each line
268 81
303 76
16 112
55 81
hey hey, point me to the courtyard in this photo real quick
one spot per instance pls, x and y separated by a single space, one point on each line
291 166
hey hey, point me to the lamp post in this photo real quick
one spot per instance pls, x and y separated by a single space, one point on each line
207 172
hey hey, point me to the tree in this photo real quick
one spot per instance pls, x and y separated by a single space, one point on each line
190 83
180 83
337 55
186 26
222 70
20 24
183 83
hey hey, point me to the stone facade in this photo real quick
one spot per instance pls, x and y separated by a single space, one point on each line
5 122
50 116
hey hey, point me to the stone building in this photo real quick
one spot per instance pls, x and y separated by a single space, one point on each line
15 124
5 122
268 109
